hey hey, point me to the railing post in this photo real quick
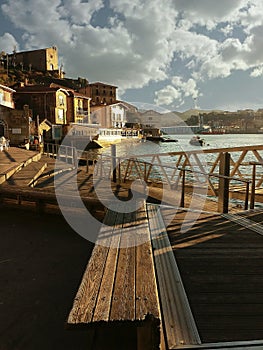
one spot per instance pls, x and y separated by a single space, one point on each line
253 187
113 163
183 189
223 191
75 158
119 170
247 195
87 163
66 150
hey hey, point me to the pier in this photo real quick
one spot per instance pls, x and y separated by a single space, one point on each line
216 262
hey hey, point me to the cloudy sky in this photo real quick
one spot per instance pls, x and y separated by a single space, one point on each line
172 53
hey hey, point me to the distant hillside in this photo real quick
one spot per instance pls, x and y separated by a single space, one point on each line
187 114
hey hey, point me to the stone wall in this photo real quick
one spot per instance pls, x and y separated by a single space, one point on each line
16 125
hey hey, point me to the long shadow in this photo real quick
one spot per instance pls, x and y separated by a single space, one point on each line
220 264
7 154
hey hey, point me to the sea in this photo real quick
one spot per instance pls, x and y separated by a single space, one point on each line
130 148
134 147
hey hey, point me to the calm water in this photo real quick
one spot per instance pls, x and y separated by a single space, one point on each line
212 141
129 148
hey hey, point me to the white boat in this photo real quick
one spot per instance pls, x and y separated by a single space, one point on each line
118 134
197 141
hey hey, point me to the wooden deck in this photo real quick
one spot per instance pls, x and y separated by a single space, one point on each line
220 259
221 265
13 160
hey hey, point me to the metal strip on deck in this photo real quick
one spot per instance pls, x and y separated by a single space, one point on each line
179 323
234 345
251 225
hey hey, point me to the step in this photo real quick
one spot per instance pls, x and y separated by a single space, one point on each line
28 174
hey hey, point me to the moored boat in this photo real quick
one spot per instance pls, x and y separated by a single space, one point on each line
213 131
118 134
197 141
156 135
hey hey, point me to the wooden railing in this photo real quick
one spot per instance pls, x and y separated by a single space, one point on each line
191 167
67 154
183 169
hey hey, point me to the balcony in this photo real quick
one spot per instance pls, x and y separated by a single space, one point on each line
80 113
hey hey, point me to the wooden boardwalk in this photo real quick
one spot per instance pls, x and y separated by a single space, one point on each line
221 265
13 159
220 259
20 169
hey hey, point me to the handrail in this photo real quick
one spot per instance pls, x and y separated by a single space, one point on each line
72 155
118 160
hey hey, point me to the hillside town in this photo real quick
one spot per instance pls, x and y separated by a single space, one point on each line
136 246
38 102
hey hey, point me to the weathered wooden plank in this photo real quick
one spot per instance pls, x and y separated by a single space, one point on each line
104 300
85 300
147 302
123 297
146 287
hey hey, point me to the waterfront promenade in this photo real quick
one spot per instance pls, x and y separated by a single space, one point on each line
13 159
220 259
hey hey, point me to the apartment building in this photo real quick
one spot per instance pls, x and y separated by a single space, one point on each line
54 103
109 116
102 94
78 107
6 96
46 102
15 124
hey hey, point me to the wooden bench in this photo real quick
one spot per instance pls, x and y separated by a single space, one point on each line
118 290
136 285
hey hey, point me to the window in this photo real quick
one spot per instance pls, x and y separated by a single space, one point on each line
61 100
61 115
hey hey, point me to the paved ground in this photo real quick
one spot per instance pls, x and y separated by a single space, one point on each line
41 263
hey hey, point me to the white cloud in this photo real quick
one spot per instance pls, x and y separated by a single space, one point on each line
8 42
78 12
177 91
167 96
252 17
257 72
227 30
209 12
136 42
189 44
131 51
